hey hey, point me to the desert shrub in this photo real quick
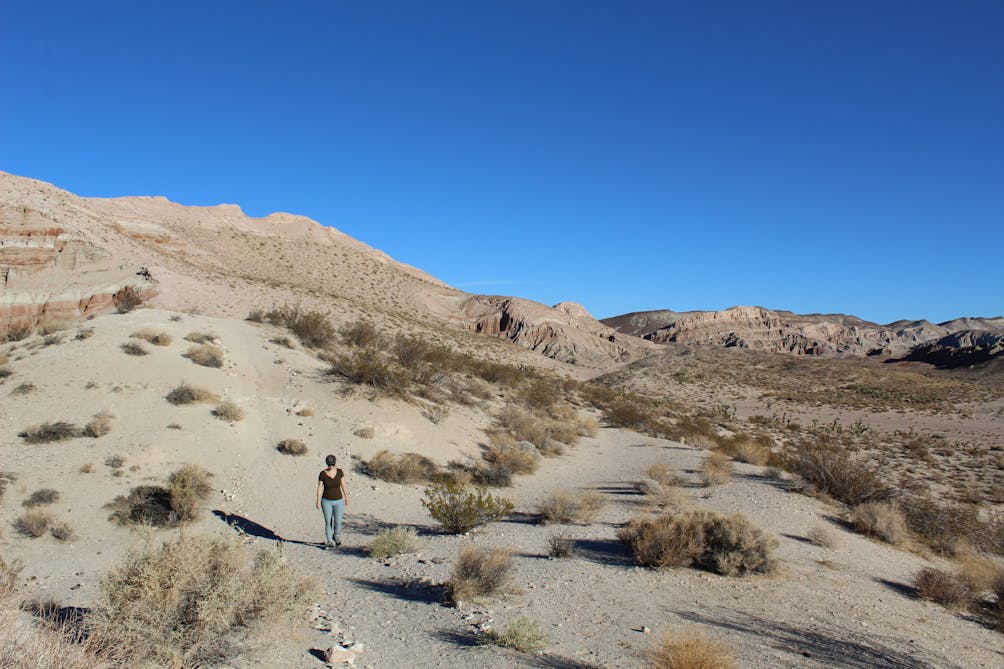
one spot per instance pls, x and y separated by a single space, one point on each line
200 337
256 315
134 348
86 468
480 572
126 299
50 432
41 497
313 329
695 430
283 341
100 425
292 447
513 459
662 472
560 546
367 367
979 574
820 536
716 469
188 394
588 426
47 325
206 355
523 634
627 414
689 650
948 528
229 411
18 331
365 432
6 478
836 473
34 523
487 474
404 468
393 541
564 506
23 389
883 520
197 601
362 334
459 509
153 336
115 461
941 587
187 487
742 448
662 494
5 372
61 532
727 545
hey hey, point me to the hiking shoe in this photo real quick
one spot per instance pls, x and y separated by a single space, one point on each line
338 542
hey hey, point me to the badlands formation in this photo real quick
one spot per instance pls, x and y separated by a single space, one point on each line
836 598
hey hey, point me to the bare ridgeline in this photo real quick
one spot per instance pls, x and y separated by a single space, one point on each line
528 486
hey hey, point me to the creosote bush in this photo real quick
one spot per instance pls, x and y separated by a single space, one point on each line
188 394
50 432
727 545
393 541
480 572
229 411
689 649
197 601
404 468
523 634
882 520
205 355
292 447
459 509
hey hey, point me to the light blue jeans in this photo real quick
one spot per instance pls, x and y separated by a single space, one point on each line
332 510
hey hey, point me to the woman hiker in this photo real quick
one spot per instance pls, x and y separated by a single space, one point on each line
332 498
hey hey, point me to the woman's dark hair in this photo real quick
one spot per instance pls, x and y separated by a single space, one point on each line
330 460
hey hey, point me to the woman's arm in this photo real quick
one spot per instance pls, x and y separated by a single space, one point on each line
320 491
345 492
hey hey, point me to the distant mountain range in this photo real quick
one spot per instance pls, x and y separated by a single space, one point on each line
955 343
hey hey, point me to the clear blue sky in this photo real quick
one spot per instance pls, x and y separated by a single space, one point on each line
814 156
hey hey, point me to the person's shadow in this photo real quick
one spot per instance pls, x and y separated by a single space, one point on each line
250 528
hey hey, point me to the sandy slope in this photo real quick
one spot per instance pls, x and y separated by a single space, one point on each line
841 607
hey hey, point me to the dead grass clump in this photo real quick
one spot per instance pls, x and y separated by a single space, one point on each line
662 494
882 520
690 649
480 572
61 532
312 328
153 336
742 448
513 459
200 337
34 523
5 372
365 432
979 574
160 506
50 432
941 587
662 472
23 389
283 341
198 601
126 299
206 355
820 536
188 486
727 545
134 348
716 469
229 411
188 394
393 541
404 468
41 497
292 447
523 634
951 528
836 473
564 506
100 425
459 509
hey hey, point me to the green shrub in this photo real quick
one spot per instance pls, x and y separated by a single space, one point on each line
197 601
393 541
727 545
459 509
523 634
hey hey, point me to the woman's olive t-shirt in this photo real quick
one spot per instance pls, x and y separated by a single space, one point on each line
332 485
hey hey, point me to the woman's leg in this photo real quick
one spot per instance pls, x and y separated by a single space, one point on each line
338 505
327 508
